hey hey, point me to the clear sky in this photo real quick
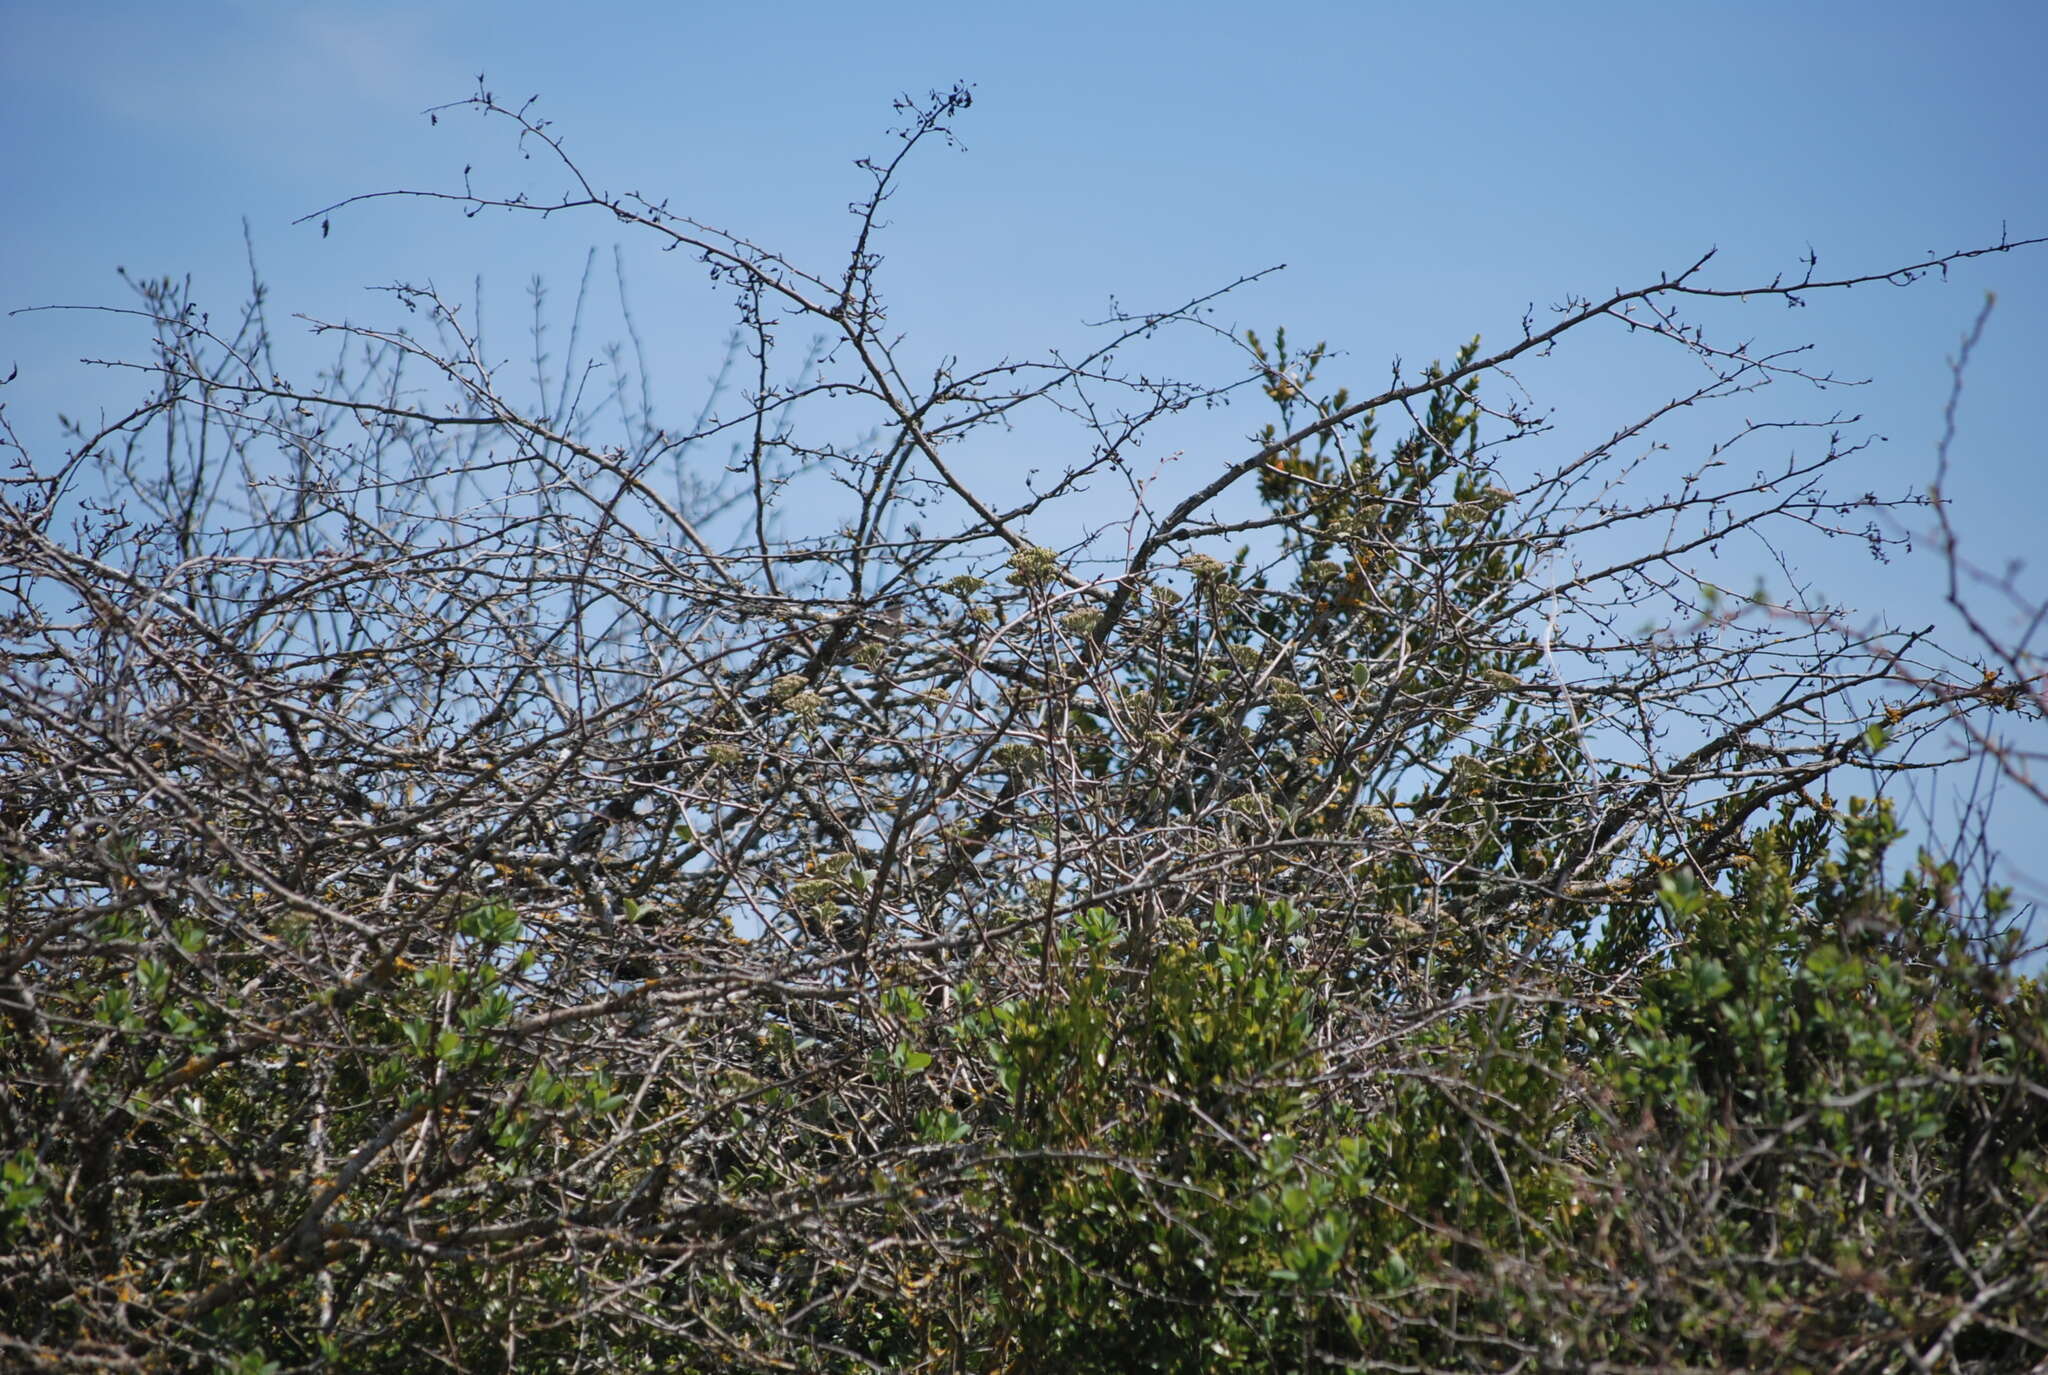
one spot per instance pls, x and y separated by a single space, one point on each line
1426 172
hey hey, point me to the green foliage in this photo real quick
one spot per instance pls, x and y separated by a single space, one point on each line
1150 1211
1822 1068
1826 1068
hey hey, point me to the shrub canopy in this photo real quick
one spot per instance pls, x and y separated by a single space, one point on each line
491 887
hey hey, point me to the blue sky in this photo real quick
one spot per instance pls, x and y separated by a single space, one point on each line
1426 172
